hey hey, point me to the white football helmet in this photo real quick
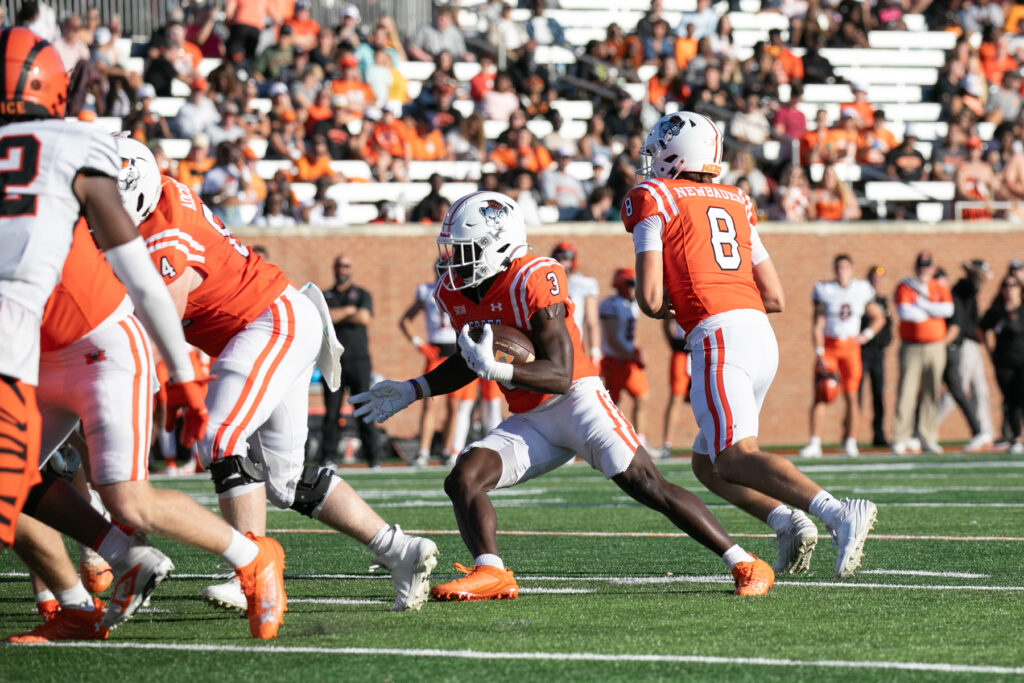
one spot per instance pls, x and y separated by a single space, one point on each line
481 235
139 180
679 142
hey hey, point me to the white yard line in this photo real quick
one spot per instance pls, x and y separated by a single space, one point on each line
912 572
941 667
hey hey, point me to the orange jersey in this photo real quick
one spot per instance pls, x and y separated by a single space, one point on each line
237 284
707 233
930 329
527 286
87 294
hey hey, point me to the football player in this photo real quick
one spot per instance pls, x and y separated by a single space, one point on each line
839 307
560 408
266 336
55 171
584 293
700 260
96 366
622 367
678 381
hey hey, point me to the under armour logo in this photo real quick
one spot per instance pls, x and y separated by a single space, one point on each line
496 307
95 357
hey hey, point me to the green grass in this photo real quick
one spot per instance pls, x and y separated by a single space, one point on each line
647 596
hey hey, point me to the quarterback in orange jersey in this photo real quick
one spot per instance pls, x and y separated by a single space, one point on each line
700 260
266 336
560 408
54 172
96 366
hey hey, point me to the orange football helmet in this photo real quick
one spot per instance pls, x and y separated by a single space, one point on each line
826 386
624 279
565 251
33 82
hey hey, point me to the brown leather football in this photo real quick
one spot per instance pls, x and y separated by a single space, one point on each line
510 345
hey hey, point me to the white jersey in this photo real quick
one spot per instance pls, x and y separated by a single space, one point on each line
38 211
582 288
844 306
625 313
439 327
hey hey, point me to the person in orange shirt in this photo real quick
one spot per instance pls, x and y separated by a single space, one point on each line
387 145
245 21
427 143
792 66
861 108
192 168
523 153
350 84
875 143
996 60
686 47
832 200
305 30
923 304
315 164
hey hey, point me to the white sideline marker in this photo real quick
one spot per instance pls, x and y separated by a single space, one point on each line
941 667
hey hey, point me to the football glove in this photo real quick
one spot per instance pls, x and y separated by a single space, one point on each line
479 356
188 396
384 399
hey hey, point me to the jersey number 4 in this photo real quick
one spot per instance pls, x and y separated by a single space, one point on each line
19 165
723 238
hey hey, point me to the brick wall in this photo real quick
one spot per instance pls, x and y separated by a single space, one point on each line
390 261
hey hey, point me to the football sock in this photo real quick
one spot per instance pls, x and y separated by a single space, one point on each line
240 551
778 519
492 414
824 507
489 560
44 595
114 545
815 441
75 598
382 540
463 417
734 555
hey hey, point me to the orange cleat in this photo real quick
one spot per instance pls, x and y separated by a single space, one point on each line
96 572
753 578
482 582
48 609
67 624
263 584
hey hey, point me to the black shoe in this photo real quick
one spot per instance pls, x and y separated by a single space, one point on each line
880 441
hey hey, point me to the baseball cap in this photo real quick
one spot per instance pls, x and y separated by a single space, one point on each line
144 91
287 30
338 101
1016 264
277 88
393 106
941 272
974 142
201 140
602 160
350 10
301 4
101 36
876 270
565 151
349 61
924 258
980 265
857 87
200 84
288 115
372 113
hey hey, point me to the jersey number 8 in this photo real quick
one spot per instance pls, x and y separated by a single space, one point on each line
723 238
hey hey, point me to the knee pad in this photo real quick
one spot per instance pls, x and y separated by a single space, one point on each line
234 471
37 492
313 487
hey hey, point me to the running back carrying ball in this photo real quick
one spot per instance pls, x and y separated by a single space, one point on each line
510 345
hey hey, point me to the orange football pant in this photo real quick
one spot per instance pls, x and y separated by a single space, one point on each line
19 451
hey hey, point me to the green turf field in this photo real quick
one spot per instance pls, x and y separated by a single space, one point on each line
609 590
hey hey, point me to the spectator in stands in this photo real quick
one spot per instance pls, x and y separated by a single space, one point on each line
145 123
659 44
594 142
183 55
722 44
626 52
976 181
202 33
104 51
541 29
524 191
560 188
335 130
965 371
873 149
645 27
349 33
1004 101
245 22
832 199
499 103
516 122
350 84
815 145
624 119
312 97
386 82
524 152
193 167
225 182
1003 326
467 141
744 165
975 16
905 163
442 34
39 18
305 29
862 110
622 175
759 73
483 82
1011 180
599 205
118 103
686 46
537 98
380 39
704 20
69 45
426 140
287 137
160 72
87 33
325 214
667 84
750 126
794 195
855 21
270 63
273 215
817 69
508 34
386 144
949 154
791 65
323 54
428 207
315 164
198 114
704 59
923 306
788 122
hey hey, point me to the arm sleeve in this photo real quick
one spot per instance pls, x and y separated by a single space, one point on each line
647 235
153 305
366 300
757 251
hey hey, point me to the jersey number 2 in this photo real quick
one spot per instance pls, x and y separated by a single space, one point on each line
19 165
723 238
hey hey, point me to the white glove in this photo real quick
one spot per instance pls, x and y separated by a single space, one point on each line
384 399
479 356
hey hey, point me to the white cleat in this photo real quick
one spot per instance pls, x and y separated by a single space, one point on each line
978 442
796 544
849 531
410 561
1017 448
136 574
227 595
811 450
850 447
929 447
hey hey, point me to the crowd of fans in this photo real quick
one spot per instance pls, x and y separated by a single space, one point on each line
337 93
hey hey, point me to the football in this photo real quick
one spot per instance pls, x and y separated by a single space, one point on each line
510 345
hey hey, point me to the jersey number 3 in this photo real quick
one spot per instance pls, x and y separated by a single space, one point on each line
723 238
19 165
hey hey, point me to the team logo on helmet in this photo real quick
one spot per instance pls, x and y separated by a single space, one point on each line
129 177
495 214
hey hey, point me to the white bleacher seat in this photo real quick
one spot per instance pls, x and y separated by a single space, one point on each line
893 191
464 107
167 107
123 50
646 72
208 64
761 21
247 212
180 88
414 88
455 170
638 91
266 168
352 168
421 71
631 5
111 124
771 149
581 35
748 37
848 173
582 110
928 130
904 58
574 130
929 212
554 54
941 40
258 147
403 193
261 104
175 148
358 214
540 128
915 22
913 111
136 64
877 94
303 192
548 214
891 75
580 170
